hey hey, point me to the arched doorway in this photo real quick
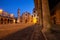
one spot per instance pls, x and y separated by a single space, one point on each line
26 21
8 21
5 21
1 20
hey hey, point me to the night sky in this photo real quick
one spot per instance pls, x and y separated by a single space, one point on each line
11 6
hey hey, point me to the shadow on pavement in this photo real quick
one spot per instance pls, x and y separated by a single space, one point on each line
21 34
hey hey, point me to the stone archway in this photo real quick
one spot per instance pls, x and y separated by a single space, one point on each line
1 20
42 8
8 21
5 21
26 21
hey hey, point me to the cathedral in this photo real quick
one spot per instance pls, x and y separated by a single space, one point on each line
38 16
26 17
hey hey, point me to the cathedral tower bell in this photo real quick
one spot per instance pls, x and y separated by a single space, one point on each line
18 19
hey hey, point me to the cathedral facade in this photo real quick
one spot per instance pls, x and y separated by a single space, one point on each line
26 17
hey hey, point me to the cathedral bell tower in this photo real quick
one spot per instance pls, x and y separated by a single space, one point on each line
18 19
35 16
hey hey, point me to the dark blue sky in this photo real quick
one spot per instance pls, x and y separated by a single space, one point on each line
11 6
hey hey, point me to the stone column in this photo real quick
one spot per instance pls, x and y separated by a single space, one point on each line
46 16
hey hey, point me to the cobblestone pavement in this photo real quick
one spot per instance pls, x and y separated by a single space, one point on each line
29 33
7 29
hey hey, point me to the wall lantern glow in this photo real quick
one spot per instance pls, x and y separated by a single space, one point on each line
34 20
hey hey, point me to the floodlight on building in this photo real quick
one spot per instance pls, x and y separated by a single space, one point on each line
34 20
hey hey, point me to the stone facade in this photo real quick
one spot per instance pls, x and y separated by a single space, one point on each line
26 17
35 14
6 18
45 19
42 8
55 17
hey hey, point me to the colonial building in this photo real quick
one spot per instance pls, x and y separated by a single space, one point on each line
6 18
35 16
26 17
55 14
